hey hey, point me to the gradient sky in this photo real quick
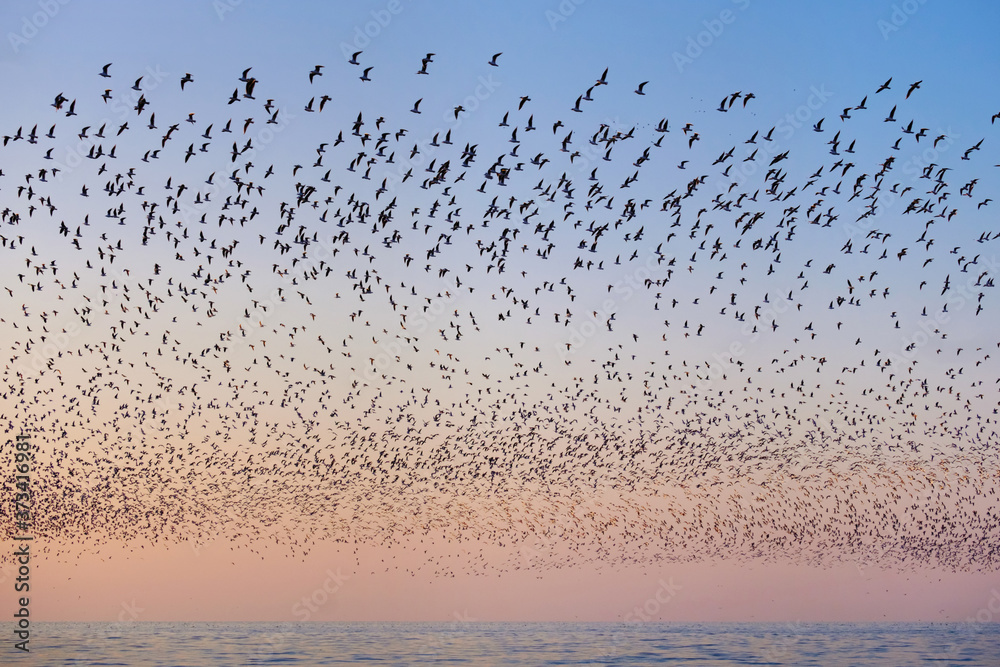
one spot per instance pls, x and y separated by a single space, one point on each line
280 543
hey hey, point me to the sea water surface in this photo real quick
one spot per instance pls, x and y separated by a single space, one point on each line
473 643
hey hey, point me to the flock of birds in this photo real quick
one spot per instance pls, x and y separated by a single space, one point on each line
561 338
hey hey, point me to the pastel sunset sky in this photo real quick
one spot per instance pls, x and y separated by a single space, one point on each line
503 311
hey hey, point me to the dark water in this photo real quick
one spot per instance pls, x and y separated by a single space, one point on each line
461 643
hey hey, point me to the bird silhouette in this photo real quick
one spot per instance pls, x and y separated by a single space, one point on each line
633 344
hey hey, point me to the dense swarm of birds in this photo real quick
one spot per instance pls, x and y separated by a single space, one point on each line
562 338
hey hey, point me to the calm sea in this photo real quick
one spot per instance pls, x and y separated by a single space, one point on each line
466 643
